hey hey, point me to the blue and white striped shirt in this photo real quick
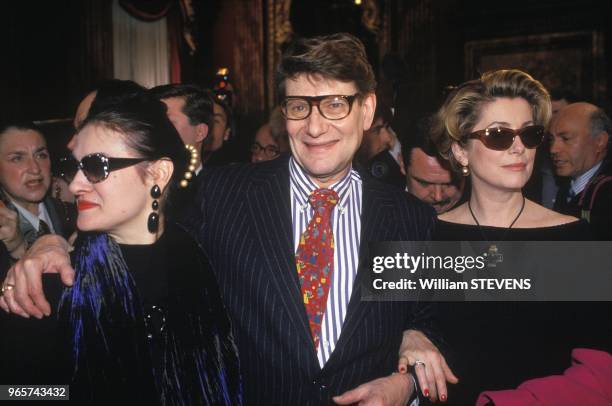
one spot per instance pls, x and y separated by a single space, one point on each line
578 184
346 226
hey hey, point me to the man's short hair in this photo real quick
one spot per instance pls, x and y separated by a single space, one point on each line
600 122
383 112
227 109
416 134
338 56
113 91
198 101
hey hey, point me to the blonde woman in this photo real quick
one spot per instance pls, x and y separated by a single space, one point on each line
489 129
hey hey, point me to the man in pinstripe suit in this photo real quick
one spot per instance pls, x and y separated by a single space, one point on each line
249 219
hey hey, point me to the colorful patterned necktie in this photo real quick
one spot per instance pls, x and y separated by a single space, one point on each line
315 259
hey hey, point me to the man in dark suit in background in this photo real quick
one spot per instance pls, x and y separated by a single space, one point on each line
304 336
428 176
26 210
190 109
579 146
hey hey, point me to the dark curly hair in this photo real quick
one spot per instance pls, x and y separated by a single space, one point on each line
338 56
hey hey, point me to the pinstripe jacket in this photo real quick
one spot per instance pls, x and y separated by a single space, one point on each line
243 222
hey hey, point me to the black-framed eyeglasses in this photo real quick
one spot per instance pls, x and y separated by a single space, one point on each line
501 138
270 151
96 167
332 107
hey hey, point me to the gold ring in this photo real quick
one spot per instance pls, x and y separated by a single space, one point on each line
7 287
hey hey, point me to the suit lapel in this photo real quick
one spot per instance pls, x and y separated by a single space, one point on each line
270 209
377 224
27 230
54 216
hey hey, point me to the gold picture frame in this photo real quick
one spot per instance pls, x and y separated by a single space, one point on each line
573 61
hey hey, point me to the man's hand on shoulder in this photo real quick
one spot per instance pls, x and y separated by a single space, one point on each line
25 297
394 390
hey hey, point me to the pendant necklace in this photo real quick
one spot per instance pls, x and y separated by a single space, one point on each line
494 255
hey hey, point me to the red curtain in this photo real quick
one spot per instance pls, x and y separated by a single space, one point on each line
147 10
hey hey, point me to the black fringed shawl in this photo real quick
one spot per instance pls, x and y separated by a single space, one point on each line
188 359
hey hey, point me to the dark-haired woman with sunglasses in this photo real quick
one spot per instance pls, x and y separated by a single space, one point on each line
489 130
143 322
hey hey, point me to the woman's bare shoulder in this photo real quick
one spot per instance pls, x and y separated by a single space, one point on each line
540 216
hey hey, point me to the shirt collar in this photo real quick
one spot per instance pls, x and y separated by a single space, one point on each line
31 218
581 181
302 186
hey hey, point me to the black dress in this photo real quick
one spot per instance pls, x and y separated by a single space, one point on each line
498 345
185 336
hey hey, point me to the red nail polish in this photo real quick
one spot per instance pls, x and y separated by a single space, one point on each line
402 369
426 392
443 398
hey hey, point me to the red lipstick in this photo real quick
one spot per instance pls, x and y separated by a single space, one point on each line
516 167
85 205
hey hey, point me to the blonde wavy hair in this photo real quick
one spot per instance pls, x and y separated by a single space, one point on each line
463 107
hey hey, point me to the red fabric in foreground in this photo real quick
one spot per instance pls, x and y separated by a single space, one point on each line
587 382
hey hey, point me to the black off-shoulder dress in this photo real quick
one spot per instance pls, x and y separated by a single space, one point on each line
498 345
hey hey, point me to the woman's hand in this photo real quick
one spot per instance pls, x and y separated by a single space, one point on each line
429 365
22 292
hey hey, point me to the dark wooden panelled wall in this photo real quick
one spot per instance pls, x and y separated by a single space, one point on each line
52 53
446 42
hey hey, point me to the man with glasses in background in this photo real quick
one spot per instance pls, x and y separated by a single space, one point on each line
271 140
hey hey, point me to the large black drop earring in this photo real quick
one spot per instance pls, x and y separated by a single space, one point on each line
153 222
